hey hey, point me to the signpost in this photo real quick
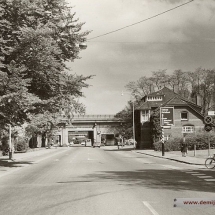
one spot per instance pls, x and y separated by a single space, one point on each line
211 113
208 128
208 120
209 124
167 119
167 116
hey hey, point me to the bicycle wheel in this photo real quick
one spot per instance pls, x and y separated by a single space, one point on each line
210 163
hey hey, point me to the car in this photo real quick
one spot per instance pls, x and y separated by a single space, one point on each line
88 142
130 142
83 143
96 144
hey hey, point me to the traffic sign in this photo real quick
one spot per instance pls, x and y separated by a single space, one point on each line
208 127
211 113
208 120
167 116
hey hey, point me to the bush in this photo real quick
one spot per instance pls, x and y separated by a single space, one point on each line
5 145
200 140
173 144
21 145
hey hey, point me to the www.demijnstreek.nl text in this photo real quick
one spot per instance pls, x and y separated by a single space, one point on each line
194 202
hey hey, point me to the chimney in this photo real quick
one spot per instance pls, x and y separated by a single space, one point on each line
198 99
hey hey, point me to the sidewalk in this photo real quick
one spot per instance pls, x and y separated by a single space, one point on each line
20 160
28 154
198 159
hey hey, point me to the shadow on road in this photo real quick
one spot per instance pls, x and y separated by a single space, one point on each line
120 149
156 179
9 163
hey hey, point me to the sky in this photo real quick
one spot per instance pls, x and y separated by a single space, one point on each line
179 39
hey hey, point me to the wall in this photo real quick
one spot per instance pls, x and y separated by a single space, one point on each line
193 119
145 140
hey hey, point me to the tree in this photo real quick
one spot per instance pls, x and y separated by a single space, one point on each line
37 39
155 125
159 78
141 87
126 116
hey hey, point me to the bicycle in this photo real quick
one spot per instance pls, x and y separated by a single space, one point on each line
210 162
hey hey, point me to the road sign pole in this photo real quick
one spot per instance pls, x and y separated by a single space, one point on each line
162 141
209 144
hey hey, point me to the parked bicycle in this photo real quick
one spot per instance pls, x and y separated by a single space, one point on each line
210 162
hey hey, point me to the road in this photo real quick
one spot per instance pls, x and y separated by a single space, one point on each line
103 181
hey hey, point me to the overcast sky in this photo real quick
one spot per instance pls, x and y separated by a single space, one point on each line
180 39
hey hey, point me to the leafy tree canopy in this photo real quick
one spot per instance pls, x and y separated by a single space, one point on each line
37 38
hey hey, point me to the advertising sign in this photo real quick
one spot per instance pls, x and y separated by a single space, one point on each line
167 116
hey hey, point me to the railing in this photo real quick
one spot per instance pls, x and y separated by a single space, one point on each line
94 117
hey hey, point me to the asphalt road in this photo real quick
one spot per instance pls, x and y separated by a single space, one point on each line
103 181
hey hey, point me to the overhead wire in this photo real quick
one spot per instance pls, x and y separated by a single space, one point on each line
159 14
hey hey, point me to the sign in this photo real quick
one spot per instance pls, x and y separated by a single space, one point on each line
208 120
167 116
211 113
208 127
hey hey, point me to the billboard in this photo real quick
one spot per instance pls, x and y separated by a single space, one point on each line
167 116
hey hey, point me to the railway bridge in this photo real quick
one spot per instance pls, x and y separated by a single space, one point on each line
94 127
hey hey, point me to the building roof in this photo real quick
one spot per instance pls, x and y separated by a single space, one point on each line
164 91
170 98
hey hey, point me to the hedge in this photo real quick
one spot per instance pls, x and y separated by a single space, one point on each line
172 144
200 140
21 145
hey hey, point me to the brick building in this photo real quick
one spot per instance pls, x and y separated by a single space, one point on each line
187 117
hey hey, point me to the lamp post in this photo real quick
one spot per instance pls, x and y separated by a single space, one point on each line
133 122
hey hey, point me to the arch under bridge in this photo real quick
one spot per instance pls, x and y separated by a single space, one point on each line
94 127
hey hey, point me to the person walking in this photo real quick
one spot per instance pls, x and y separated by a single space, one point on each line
117 140
183 149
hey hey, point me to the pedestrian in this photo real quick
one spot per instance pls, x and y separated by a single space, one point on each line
183 149
117 140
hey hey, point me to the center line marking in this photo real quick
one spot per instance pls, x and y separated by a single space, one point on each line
152 210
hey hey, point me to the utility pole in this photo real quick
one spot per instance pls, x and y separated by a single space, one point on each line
10 144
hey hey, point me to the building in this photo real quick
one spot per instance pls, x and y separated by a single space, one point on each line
93 127
184 116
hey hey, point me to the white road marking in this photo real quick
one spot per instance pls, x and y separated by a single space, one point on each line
197 174
191 172
171 167
209 179
152 210
89 159
206 176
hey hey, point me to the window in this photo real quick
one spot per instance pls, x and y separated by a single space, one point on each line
188 129
184 115
153 98
145 115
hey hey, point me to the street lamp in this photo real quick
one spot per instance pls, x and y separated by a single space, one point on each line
133 122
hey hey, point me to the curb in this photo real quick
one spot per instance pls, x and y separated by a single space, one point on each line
169 158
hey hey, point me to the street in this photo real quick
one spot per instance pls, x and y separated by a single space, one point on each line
103 181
